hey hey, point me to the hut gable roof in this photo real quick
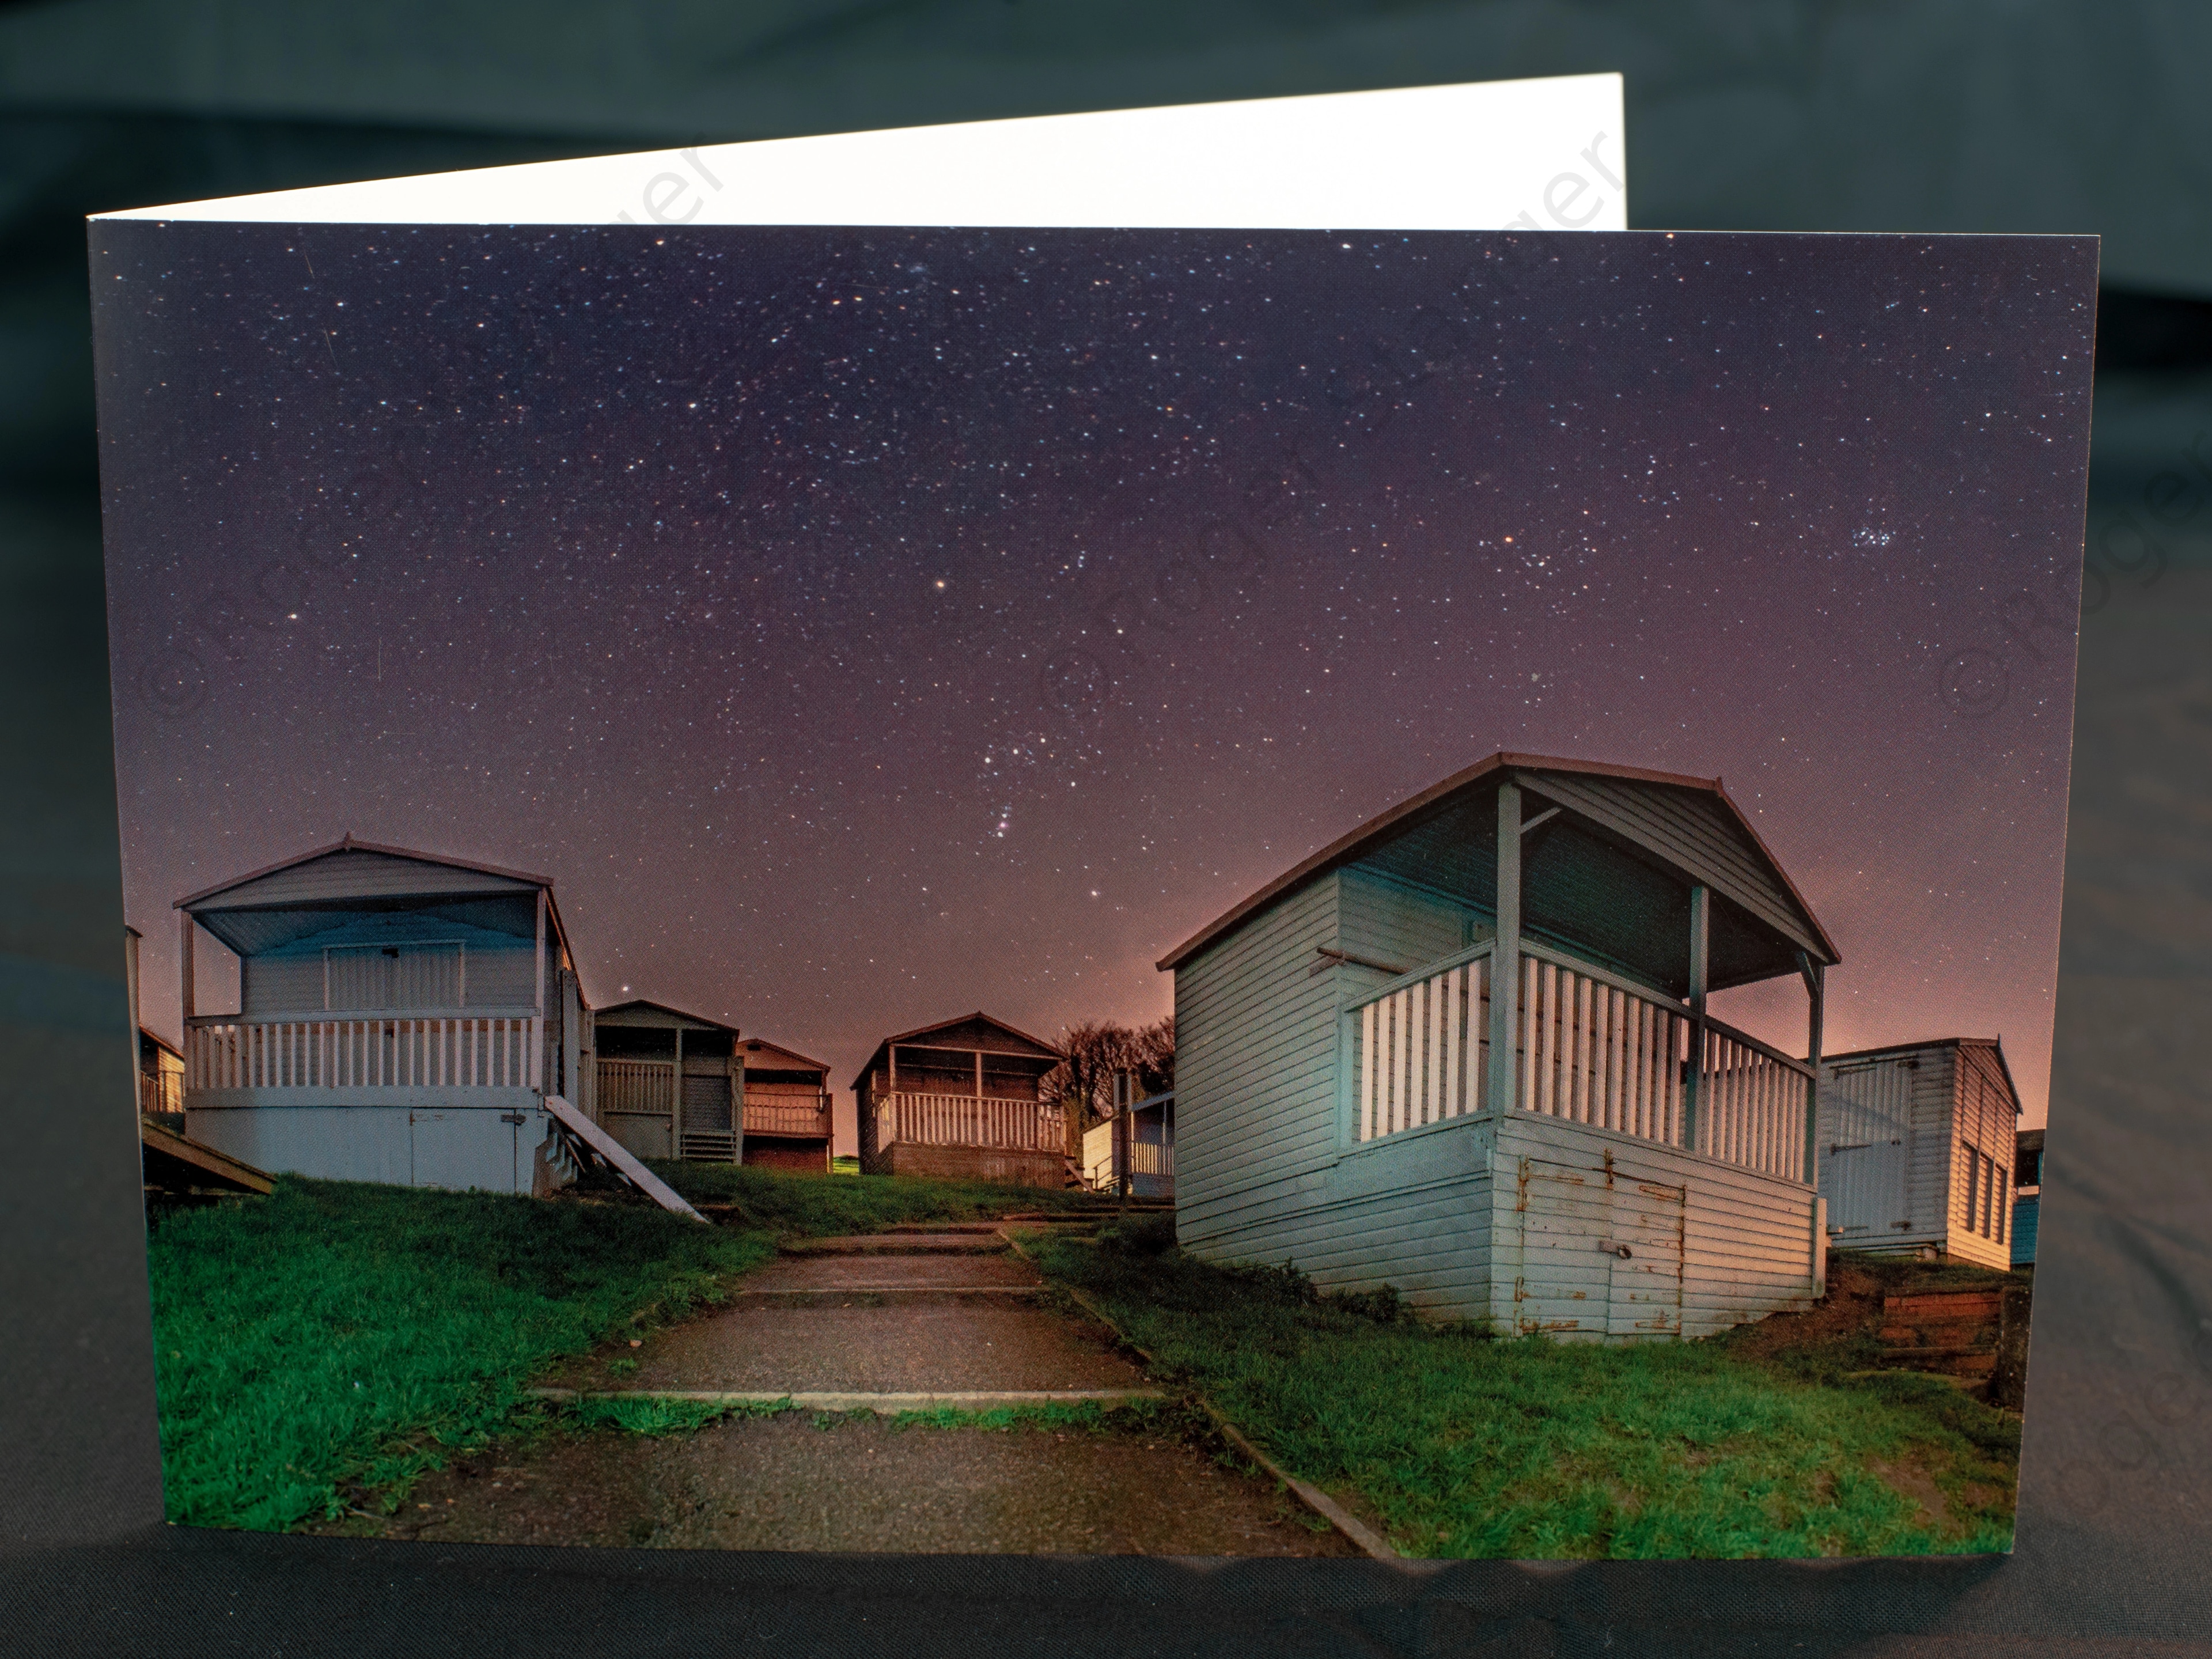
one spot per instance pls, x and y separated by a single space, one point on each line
1680 828
351 869
282 903
640 1011
762 1055
977 1031
1992 1047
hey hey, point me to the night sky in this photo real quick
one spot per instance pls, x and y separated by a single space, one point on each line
865 627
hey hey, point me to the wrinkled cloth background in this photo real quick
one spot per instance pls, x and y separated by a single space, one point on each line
2009 115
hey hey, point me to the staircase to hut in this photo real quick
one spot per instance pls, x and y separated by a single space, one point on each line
1955 1332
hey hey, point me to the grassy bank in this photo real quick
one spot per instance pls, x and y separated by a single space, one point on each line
334 1335
815 1205
1469 1447
336 1338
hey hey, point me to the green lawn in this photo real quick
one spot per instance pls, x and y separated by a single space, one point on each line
816 1205
336 1338
1469 1447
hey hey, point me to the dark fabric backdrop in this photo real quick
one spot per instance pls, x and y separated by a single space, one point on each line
2010 115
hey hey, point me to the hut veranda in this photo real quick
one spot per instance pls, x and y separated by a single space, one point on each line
1466 1051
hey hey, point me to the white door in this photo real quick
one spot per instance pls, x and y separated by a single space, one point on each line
1865 1115
1648 1220
460 1148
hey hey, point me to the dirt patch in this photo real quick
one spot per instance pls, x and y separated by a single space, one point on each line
805 1483
1908 1478
1852 1307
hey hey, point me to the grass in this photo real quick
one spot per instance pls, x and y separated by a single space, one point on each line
335 1339
813 1206
334 1336
1466 1446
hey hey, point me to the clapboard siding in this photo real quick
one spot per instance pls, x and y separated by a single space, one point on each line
354 873
1392 922
1959 1104
1692 829
1748 1242
498 970
1255 1031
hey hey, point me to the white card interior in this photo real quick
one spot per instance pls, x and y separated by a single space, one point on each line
1536 154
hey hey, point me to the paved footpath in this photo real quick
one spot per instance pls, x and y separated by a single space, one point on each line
885 1321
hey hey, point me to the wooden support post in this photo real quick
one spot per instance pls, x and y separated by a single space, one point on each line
675 1104
537 1035
1694 1092
572 1038
1816 999
1505 958
737 1100
184 971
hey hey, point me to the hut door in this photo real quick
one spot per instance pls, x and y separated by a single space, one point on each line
1570 1274
1560 1283
1865 1112
707 1131
1645 1259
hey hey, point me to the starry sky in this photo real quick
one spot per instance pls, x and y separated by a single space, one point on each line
863 627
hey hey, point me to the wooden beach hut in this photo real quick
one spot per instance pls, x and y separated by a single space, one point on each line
741 1100
1918 1145
403 1016
1466 1050
666 1084
2028 1195
1138 1144
787 1108
960 1099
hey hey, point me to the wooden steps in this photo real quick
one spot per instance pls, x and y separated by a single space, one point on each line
1954 1332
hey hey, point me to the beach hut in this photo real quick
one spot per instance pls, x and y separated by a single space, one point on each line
1917 1147
666 1084
403 1016
1466 1050
2028 1195
787 1108
1138 1139
960 1099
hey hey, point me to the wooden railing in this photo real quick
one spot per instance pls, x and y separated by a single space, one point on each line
1755 1104
1596 1050
635 1085
785 1117
1424 1049
160 1092
443 1053
1025 1126
1590 1047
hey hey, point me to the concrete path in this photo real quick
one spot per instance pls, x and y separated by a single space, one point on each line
889 1317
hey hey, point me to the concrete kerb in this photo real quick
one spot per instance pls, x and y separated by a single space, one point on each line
1362 1535
884 1404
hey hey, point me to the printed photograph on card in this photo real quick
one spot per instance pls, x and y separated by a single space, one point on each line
1190 892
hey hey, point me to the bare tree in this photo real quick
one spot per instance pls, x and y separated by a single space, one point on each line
1097 1049
1083 1082
1153 1054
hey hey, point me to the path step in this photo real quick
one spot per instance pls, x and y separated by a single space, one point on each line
903 1227
806 1400
890 1296
931 1243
